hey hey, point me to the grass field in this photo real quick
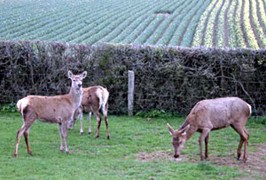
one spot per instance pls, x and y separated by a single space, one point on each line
188 23
140 148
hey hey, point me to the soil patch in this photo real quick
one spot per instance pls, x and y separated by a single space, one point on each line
254 167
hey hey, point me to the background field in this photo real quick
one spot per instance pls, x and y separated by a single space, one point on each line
140 148
189 23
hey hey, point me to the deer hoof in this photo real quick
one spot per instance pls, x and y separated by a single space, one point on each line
81 133
97 136
30 153
15 155
108 137
238 156
176 156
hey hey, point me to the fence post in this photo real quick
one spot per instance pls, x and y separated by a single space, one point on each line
131 79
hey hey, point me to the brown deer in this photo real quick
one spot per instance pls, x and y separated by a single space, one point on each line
213 114
53 109
94 99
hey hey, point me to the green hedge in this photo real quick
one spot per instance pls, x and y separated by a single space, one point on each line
172 79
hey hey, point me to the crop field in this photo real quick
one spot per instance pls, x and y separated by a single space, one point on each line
188 23
139 148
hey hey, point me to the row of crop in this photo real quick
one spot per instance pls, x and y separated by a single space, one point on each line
53 26
48 26
230 16
188 33
107 27
116 28
168 26
202 32
16 11
111 29
241 39
159 32
261 9
96 24
131 29
175 33
58 29
220 36
145 21
33 21
232 24
258 28
245 21
83 23
156 20
181 21
128 20
176 22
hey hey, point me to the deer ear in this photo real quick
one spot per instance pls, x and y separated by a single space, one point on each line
184 130
84 74
70 74
171 130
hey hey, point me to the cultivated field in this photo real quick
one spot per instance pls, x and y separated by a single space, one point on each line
211 23
139 148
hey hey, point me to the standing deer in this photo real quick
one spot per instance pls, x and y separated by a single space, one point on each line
94 99
53 109
213 114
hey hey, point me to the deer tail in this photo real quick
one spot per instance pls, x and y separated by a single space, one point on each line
22 104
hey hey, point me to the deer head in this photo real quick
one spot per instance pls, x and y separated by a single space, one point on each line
76 84
178 138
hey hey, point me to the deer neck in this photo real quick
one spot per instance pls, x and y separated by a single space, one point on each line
190 132
76 96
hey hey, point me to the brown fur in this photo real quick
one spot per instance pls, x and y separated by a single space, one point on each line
94 99
53 109
214 114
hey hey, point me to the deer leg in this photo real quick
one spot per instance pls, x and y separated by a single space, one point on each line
81 123
28 118
106 122
202 137
19 133
246 144
243 139
239 148
26 133
206 145
89 123
61 137
65 136
98 117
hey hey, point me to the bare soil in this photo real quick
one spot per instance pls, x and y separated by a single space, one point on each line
254 168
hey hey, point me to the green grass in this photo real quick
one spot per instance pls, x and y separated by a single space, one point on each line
100 158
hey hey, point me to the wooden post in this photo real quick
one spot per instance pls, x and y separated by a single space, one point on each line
131 79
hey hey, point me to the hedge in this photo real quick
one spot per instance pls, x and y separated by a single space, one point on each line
171 79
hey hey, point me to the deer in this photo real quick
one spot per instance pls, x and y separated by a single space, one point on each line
213 114
94 100
53 109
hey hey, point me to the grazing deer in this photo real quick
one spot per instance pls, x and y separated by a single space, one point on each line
94 99
53 109
213 114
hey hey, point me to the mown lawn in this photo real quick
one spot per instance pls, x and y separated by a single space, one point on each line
117 158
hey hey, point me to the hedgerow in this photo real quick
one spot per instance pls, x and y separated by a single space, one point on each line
172 79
